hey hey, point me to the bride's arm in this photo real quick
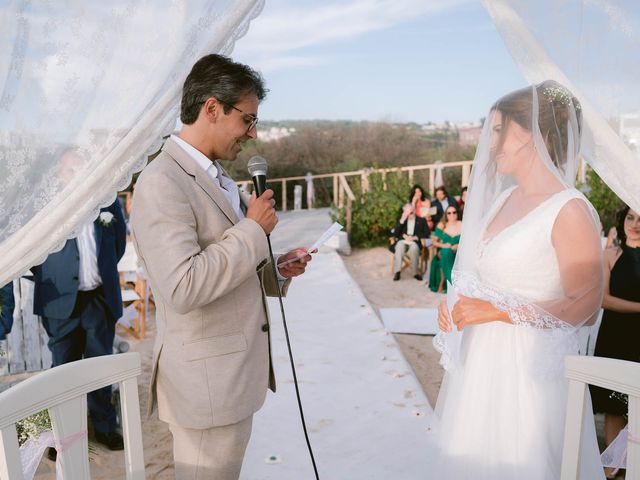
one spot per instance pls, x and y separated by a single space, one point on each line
577 244
471 311
575 237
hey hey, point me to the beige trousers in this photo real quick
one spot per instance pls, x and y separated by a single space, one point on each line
213 454
414 255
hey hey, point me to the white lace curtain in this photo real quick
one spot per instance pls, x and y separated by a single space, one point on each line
87 89
592 47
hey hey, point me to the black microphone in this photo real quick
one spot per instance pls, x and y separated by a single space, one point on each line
258 169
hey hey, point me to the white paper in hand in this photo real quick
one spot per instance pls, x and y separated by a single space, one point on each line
453 339
330 232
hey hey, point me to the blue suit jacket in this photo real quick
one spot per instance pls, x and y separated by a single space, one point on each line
8 304
56 280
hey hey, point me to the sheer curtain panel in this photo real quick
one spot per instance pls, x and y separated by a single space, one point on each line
87 90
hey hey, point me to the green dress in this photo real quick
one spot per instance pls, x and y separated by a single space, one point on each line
442 263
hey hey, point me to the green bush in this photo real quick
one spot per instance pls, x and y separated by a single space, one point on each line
603 199
374 213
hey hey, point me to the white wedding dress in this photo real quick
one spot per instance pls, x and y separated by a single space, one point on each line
502 413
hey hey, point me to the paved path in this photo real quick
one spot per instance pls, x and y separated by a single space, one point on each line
367 416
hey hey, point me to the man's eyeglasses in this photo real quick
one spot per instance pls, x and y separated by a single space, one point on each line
251 124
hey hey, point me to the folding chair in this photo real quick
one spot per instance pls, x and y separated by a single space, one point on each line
63 391
618 375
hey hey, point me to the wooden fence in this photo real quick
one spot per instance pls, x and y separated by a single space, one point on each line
25 349
342 192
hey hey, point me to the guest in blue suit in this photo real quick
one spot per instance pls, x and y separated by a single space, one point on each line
6 314
77 294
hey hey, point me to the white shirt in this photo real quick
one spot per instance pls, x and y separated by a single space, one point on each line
213 169
411 225
88 275
228 186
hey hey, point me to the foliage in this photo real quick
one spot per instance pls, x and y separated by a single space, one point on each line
33 426
328 146
603 199
374 213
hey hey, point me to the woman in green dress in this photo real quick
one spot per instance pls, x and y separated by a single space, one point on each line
446 238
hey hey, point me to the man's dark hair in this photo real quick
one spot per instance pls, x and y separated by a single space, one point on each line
443 190
220 77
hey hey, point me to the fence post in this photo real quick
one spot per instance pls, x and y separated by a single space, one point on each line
349 222
284 195
335 189
466 172
364 180
411 176
432 180
384 180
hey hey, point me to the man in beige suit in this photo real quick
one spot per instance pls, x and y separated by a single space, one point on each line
206 256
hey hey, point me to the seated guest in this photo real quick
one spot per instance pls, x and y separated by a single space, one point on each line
411 232
441 202
446 238
422 204
7 305
463 201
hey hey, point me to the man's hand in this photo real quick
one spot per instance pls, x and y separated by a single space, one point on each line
262 212
406 211
296 268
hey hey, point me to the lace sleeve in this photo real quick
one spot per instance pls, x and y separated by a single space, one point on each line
579 258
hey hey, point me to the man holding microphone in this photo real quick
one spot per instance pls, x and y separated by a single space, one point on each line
204 247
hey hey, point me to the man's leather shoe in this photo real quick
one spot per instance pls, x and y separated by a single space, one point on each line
396 276
112 440
418 277
52 454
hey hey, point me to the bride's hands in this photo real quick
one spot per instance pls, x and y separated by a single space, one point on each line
473 311
444 320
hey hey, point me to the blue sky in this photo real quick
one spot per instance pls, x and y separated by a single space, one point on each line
378 60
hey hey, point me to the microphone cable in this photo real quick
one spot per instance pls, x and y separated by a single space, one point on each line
293 368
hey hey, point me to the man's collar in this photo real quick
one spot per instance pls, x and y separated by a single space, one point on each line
190 165
196 155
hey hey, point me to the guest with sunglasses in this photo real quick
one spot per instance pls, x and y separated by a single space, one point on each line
446 238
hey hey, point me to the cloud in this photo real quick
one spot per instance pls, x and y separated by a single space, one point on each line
288 26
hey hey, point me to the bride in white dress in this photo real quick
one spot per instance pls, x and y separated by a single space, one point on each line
528 273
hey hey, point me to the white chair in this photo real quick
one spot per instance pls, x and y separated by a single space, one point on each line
63 391
618 375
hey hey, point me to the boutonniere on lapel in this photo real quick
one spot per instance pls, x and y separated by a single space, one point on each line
106 219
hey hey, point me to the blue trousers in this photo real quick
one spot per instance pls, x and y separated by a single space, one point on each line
89 332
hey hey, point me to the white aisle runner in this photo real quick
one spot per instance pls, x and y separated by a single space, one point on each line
367 415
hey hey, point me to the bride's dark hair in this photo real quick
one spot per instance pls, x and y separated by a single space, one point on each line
555 103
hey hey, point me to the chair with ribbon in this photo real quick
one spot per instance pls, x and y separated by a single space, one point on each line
63 392
618 375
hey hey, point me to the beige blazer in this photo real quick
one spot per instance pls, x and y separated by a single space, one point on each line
209 275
